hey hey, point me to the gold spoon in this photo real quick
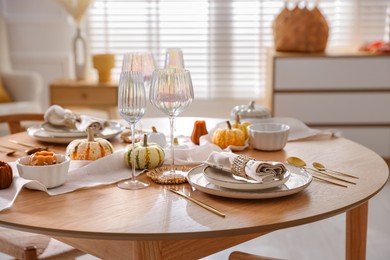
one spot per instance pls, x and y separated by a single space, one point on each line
28 151
322 167
301 163
9 153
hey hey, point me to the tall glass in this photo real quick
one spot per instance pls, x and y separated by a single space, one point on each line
142 62
174 58
171 92
132 107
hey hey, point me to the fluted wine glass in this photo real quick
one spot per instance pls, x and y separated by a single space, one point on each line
171 92
174 58
142 62
132 107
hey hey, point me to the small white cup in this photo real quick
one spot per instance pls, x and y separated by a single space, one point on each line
268 136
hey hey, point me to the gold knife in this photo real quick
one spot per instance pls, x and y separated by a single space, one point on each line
203 205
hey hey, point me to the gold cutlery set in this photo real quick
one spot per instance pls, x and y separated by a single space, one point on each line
321 169
32 148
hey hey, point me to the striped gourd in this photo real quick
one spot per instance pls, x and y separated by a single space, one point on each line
147 155
89 149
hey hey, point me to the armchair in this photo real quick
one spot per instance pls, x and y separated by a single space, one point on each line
24 87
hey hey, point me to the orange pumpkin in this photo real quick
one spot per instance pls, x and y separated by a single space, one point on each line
199 130
6 175
228 136
242 126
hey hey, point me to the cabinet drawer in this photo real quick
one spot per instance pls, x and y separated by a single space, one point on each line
85 96
310 73
338 108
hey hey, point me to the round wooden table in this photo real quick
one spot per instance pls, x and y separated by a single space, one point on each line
154 223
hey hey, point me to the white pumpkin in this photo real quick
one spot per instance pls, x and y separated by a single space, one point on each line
90 148
157 137
147 155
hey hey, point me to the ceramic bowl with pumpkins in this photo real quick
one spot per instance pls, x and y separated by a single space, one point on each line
48 168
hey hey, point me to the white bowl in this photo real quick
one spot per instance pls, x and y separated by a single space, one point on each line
49 175
268 136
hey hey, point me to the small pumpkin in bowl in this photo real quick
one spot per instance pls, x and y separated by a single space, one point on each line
89 149
147 155
241 125
228 136
6 175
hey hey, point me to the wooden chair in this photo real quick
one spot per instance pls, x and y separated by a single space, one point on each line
24 245
14 121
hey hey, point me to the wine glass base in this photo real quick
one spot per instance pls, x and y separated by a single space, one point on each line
132 185
164 175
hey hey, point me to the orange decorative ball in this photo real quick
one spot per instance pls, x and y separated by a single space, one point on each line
6 175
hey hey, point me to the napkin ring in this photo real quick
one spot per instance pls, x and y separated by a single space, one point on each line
239 163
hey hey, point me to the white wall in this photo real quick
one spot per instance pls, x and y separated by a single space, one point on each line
40 36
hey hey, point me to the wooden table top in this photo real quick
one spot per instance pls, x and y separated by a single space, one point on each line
154 213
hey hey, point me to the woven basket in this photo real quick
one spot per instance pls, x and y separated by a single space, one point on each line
300 30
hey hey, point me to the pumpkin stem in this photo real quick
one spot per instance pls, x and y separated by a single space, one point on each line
145 143
154 129
237 119
90 134
229 125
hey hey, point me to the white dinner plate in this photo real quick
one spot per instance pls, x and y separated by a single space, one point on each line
230 181
40 134
298 181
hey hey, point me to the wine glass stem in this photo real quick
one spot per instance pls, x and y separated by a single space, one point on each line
172 124
132 155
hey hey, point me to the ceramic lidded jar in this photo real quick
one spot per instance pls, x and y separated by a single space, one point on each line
250 111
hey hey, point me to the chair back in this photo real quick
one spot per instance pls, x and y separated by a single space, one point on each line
14 121
5 62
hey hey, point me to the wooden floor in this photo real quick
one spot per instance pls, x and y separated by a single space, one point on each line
323 240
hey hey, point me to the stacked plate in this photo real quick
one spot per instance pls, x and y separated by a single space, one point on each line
60 134
217 182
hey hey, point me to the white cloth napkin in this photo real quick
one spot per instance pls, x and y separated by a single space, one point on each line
82 174
59 116
260 171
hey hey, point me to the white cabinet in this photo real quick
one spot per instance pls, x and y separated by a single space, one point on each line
350 92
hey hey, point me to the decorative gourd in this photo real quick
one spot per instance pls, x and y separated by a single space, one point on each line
147 155
199 130
42 158
6 175
90 148
242 126
157 137
228 136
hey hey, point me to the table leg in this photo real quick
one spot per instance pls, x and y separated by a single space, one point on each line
356 226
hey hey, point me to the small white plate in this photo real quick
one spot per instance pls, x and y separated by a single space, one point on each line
39 134
230 181
298 181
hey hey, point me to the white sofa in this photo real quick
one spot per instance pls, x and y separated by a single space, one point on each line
25 87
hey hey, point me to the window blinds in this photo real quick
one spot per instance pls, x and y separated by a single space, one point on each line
224 41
